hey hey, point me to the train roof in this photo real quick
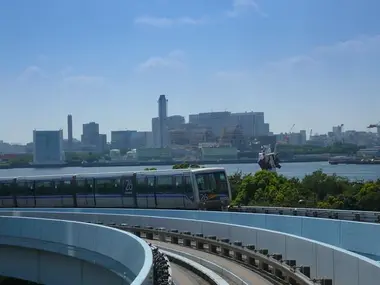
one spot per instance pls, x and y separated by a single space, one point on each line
45 177
113 174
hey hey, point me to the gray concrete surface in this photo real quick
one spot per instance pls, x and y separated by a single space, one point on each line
246 274
182 276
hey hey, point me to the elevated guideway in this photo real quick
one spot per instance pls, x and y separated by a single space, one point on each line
325 263
358 237
63 252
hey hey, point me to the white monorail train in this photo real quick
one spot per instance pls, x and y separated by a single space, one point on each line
203 188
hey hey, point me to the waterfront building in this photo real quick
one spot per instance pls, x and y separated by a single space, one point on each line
158 154
48 147
90 134
251 123
122 139
218 152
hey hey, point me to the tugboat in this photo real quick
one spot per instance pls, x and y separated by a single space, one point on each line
268 160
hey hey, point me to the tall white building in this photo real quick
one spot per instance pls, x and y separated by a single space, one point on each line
48 147
162 117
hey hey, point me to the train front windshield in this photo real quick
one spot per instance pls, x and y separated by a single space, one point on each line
213 183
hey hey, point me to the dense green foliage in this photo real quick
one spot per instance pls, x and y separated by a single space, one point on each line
318 190
19 160
150 168
186 165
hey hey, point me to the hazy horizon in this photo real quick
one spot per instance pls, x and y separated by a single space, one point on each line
310 63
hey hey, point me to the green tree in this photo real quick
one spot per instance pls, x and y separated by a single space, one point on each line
315 190
368 197
186 165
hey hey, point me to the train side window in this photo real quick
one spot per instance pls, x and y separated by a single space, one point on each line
164 184
44 187
5 188
179 183
64 187
145 185
84 186
107 186
182 184
24 188
81 186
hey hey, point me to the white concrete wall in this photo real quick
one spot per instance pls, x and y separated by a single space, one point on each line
66 252
345 268
51 268
349 235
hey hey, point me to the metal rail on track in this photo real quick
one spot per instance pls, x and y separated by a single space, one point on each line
261 261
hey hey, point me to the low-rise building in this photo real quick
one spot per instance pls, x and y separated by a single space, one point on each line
219 153
147 154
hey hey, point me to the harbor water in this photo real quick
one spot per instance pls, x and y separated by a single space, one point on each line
353 172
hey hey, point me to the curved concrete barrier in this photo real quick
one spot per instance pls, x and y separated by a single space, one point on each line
58 252
354 236
325 261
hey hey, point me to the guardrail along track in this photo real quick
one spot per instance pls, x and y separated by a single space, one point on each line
270 265
347 215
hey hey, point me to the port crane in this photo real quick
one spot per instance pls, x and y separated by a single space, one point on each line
287 135
377 126
371 126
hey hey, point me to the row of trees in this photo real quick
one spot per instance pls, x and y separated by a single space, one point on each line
318 190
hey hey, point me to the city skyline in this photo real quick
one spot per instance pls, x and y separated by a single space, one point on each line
313 66
93 128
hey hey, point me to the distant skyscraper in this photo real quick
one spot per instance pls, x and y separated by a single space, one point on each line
70 131
90 134
48 147
162 116
162 107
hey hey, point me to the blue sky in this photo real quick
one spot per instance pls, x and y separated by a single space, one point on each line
313 63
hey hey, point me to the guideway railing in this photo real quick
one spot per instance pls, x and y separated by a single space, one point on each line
348 215
261 261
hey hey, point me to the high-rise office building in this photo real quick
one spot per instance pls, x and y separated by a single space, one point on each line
251 123
162 116
48 147
121 139
70 131
217 121
90 134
